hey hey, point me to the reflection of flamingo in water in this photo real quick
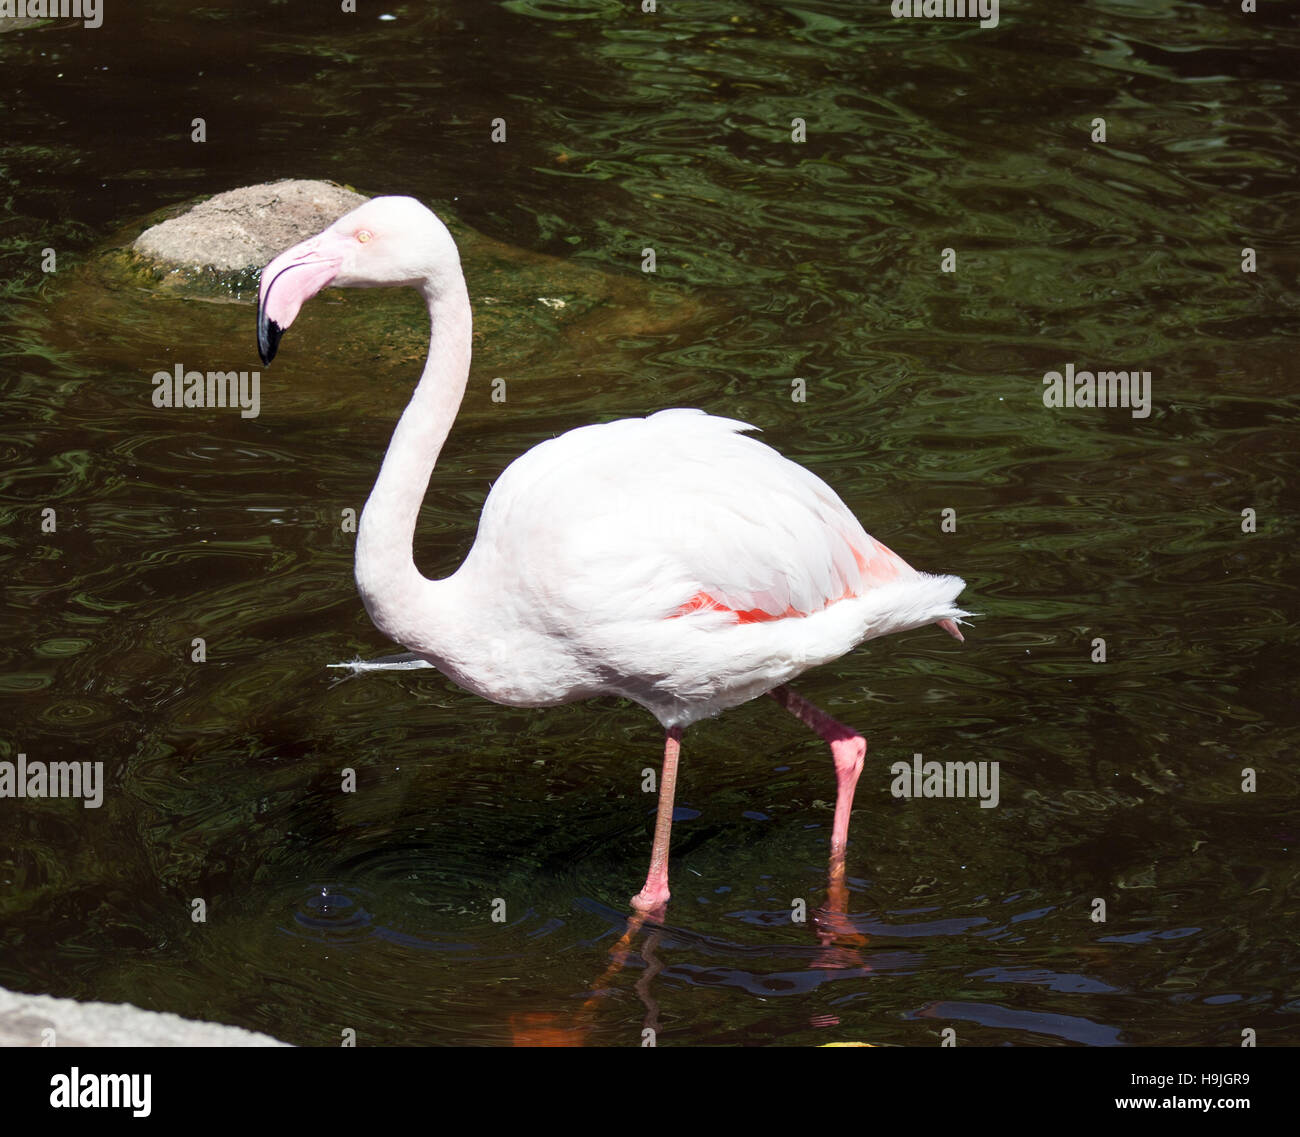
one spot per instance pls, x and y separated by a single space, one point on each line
672 560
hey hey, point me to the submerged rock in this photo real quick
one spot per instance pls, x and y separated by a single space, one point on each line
25 1020
134 301
241 229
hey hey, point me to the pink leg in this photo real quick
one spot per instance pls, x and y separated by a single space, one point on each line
848 749
655 893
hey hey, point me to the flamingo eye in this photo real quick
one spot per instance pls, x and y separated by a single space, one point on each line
364 235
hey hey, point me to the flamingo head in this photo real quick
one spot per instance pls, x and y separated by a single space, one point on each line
384 241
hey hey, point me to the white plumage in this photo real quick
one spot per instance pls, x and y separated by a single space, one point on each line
674 560
592 547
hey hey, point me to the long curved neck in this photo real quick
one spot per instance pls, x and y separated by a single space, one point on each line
394 591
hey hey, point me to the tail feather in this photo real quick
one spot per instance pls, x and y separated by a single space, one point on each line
406 661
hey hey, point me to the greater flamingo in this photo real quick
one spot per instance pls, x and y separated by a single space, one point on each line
673 560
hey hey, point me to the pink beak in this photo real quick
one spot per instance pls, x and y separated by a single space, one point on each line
293 277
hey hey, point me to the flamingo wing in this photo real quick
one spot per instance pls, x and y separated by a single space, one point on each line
668 516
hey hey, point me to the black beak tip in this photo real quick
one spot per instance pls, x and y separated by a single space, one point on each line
268 337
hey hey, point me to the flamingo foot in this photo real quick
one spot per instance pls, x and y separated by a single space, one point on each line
832 922
651 901
950 626
848 752
653 898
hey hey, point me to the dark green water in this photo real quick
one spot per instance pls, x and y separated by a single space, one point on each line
1119 780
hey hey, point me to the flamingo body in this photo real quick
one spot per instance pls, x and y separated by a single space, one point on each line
674 560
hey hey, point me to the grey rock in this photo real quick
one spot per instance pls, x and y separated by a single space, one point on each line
24 1019
244 228
533 314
